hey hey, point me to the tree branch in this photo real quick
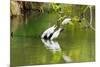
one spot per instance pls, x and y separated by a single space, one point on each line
91 18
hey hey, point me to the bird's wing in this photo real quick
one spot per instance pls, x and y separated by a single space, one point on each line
51 30
55 35
45 32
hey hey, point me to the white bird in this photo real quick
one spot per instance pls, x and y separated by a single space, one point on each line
48 32
56 33
52 32
66 21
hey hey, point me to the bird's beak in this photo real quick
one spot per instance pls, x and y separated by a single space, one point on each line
70 23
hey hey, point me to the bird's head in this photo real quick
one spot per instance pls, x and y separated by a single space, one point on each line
70 22
67 21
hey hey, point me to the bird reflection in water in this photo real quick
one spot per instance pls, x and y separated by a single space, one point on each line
54 47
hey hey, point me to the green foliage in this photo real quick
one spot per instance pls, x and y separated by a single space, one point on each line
55 7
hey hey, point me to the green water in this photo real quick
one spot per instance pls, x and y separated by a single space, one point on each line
27 47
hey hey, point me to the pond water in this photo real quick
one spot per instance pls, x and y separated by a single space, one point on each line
27 48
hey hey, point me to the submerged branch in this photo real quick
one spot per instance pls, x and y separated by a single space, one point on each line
92 27
90 15
85 9
91 18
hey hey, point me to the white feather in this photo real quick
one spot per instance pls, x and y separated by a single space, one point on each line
56 33
48 31
66 21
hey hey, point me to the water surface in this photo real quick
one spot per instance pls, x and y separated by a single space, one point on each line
27 48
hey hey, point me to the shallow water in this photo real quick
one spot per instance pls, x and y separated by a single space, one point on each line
27 48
